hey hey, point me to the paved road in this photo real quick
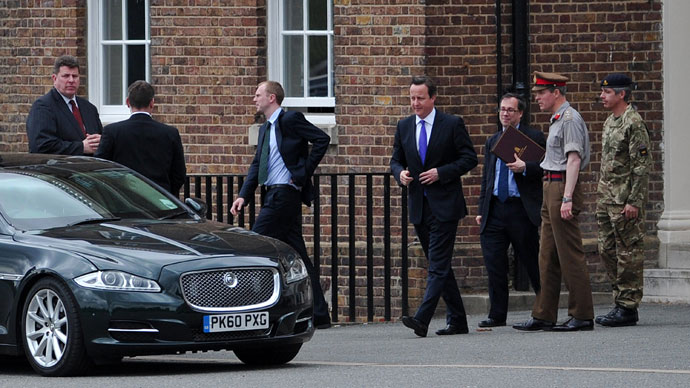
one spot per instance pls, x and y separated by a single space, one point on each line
656 353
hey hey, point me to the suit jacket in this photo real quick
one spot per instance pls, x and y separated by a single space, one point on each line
293 135
450 151
147 146
52 128
529 185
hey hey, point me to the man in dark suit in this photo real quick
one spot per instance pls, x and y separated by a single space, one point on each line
60 122
509 212
431 152
143 144
284 166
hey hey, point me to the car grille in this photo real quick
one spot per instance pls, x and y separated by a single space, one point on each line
233 289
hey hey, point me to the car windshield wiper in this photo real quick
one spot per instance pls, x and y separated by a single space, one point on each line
94 221
174 215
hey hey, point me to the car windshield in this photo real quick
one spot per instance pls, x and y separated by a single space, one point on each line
44 198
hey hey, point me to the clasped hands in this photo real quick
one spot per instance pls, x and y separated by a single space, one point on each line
91 143
426 178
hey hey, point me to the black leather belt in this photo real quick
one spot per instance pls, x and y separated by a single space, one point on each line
280 186
508 200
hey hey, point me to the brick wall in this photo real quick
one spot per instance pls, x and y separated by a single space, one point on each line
32 34
208 57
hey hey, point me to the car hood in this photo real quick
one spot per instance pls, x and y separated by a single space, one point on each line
153 245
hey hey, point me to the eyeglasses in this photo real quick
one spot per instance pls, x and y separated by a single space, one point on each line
508 110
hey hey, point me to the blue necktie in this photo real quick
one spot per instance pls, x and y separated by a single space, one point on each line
422 142
502 181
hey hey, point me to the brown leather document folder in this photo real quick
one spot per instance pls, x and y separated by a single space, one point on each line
512 141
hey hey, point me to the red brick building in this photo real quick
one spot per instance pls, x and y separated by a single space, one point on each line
347 64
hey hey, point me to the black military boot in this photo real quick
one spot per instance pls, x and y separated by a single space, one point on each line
611 313
621 317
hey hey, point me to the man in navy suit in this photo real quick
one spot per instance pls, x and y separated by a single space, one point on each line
431 152
60 122
509 213
143 144
284 165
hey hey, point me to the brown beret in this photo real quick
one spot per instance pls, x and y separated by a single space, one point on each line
546 80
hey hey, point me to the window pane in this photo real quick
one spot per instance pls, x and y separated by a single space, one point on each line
136 20
112 77
318 15
293 14
136 63
112 19
318 66
293 66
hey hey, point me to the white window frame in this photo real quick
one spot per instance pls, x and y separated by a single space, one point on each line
275 54
96 44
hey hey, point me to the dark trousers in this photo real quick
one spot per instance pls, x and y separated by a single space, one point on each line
281 218
507 224
438 239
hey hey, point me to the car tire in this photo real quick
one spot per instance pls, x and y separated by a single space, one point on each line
51 330
276 355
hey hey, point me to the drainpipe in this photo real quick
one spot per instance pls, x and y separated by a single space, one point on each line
499 59
521 73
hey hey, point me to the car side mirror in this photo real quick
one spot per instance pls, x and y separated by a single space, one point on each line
198 205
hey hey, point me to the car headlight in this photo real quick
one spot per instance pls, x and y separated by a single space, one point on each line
117 281
295 269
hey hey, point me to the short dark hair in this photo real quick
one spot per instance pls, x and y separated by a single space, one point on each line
273 87
65 60
626 89
522 105
140 94
425 80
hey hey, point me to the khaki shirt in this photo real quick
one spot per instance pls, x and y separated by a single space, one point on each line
567 133
625 160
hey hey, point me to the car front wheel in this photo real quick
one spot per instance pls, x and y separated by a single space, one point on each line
276 355
51 330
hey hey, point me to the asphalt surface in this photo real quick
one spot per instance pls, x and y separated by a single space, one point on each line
655 353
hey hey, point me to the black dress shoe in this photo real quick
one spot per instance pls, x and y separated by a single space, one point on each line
619 316
453 329
490 322
534 324
322 322
415 324
574 324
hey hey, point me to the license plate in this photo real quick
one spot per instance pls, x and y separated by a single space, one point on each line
235 322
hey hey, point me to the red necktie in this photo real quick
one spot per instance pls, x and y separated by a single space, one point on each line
77 115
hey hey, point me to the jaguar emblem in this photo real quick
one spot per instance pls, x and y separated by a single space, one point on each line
230 279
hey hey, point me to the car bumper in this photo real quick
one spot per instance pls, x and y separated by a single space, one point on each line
118 324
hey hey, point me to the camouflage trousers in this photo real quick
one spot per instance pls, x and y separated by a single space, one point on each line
621 247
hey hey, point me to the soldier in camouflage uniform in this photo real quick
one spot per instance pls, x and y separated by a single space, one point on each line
622 196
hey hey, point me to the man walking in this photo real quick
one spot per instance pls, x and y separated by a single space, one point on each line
509 208
143 144
621 201
431 152
284 165
561 255
60 122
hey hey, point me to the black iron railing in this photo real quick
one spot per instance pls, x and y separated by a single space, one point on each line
370 199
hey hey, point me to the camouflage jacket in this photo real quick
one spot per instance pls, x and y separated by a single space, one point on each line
625 160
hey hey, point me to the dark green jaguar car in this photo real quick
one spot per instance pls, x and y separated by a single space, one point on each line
97 263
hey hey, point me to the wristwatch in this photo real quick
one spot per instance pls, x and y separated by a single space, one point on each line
566 200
